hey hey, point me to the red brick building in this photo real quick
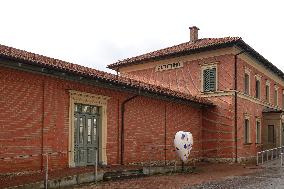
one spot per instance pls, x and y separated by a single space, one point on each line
221 90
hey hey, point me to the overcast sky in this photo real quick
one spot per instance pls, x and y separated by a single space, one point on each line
98 33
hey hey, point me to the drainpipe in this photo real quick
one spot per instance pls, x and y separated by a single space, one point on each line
165 134
236 105
122 126
43 117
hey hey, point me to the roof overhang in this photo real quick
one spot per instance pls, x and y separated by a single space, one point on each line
100 82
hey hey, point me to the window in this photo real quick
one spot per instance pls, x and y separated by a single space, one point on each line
267 91
257 88
209 79
258 131
271 135
247 83
275 95
246 131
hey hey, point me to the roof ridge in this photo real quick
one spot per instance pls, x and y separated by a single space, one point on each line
179 48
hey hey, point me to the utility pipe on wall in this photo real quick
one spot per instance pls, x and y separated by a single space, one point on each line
122 127
236 104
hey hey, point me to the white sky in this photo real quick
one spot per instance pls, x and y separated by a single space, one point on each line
97 33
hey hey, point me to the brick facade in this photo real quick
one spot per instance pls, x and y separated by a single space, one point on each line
35 110
218 130
34 115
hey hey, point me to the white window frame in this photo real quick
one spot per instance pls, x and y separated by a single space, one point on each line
258 121
209 66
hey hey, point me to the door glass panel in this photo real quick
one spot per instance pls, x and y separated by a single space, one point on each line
75 156
89 126
78 108
81 132
95 128
75 130
86 109
94 110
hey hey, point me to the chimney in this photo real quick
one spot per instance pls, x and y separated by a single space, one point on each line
193 33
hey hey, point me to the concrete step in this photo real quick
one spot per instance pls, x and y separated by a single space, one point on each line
123 174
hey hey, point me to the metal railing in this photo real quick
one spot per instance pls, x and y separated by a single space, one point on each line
269 155
96 165
46 156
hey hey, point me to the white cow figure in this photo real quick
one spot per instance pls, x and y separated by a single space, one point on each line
183 143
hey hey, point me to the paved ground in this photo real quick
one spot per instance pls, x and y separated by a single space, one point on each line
205 173
271 177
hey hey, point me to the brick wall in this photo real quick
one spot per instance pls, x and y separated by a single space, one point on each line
154 125
188 78
25 130
217 124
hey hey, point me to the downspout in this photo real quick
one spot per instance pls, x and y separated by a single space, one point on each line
165 134
236 104
42 129
122 126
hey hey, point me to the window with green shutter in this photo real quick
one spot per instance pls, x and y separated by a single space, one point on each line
209 80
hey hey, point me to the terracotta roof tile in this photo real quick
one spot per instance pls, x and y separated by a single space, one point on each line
181 48
32 58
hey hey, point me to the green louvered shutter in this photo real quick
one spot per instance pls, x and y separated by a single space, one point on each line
209 80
